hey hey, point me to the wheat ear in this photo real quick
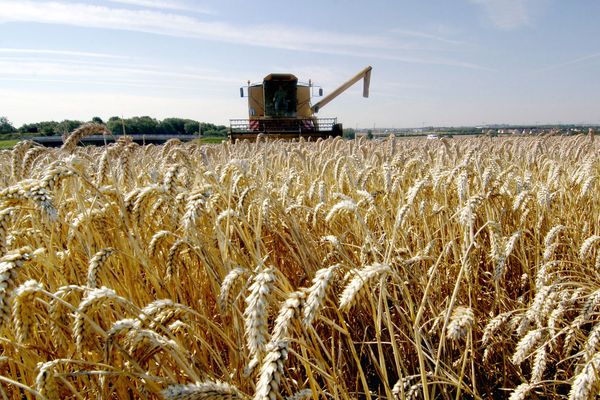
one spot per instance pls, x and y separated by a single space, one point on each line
587 245
271 371
461 322
256 312
362 278
226 294
96 263
301 395
539 364
45 382
10 263
5 216
203 391
144 343
317 293
526 345
585 385
91 300
521 391
160 313
291 309
70 143
58 318
23 317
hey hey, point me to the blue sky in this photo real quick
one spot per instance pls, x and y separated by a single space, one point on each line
435 62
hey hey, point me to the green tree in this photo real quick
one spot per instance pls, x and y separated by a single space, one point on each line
209 129
97 120
349 133
141 126
6 127
172 126
116 125
169 126
369 134
133 126
48 128
190 127
28 128
67 126
44 128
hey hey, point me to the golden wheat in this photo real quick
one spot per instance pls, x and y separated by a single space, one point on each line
464 268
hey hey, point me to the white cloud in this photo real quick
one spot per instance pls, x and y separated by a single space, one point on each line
506 14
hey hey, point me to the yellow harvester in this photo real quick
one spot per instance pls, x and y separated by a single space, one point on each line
280 107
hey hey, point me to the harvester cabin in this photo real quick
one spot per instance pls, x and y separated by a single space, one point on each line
279 96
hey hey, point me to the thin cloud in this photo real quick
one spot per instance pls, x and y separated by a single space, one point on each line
7 50
95 82
166 5
164 23
506 14
427 60
55 69
570 62
426 35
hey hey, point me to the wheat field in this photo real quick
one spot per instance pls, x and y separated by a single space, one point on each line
402 268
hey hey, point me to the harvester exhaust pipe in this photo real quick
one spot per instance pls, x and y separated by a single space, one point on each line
365 74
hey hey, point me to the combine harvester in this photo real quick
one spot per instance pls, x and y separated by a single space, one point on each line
280 108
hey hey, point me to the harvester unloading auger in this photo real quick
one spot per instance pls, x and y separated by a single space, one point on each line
280 107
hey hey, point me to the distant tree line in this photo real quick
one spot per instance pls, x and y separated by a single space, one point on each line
118 126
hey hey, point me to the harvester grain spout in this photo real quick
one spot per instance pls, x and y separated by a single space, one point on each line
280 107
364 74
